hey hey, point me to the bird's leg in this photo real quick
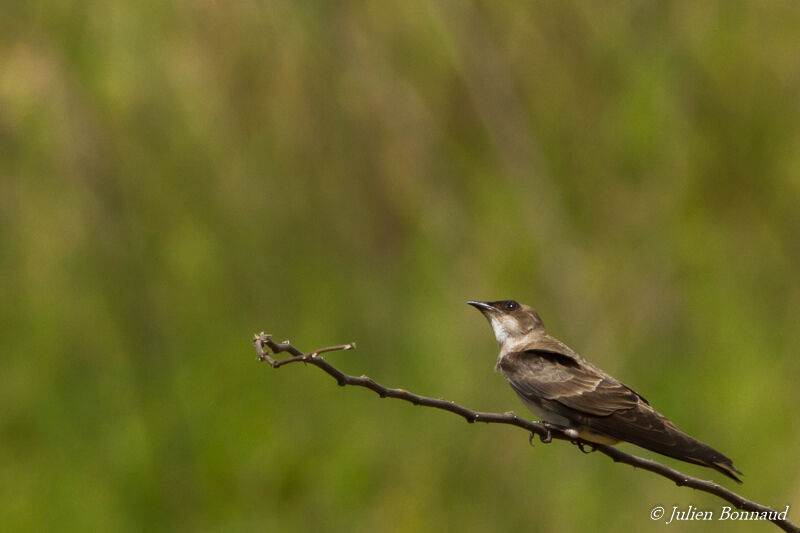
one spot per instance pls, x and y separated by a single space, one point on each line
582 446
548 427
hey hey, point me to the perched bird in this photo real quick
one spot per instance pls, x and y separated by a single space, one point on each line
573 395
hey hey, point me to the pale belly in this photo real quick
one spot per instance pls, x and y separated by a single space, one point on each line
584 433
546 415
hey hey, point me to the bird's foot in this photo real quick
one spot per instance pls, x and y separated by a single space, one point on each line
548 427
546 438
582 445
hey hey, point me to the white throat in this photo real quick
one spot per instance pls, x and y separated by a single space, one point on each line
500 330
509 338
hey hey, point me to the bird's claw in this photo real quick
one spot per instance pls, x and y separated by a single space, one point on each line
546 438
582 446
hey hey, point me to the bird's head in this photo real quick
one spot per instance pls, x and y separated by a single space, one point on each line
511 321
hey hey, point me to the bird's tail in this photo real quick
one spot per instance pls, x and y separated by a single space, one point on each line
649 429
725 467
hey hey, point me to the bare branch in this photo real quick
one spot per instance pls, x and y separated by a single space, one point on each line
545 431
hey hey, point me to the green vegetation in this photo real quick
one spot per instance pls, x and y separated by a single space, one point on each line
176 176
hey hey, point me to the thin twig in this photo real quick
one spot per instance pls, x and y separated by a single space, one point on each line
543 430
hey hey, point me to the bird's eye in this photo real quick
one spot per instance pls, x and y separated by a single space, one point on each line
512 305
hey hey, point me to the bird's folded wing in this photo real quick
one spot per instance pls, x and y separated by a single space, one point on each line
541 374
561 381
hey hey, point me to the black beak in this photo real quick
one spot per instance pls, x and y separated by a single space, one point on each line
483 307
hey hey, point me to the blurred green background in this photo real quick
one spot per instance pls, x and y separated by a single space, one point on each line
177 176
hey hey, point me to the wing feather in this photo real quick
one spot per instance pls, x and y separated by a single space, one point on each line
559 377
551 375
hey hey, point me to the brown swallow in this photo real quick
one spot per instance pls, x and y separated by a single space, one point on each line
568 392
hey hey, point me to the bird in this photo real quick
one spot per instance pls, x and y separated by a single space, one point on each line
571 394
